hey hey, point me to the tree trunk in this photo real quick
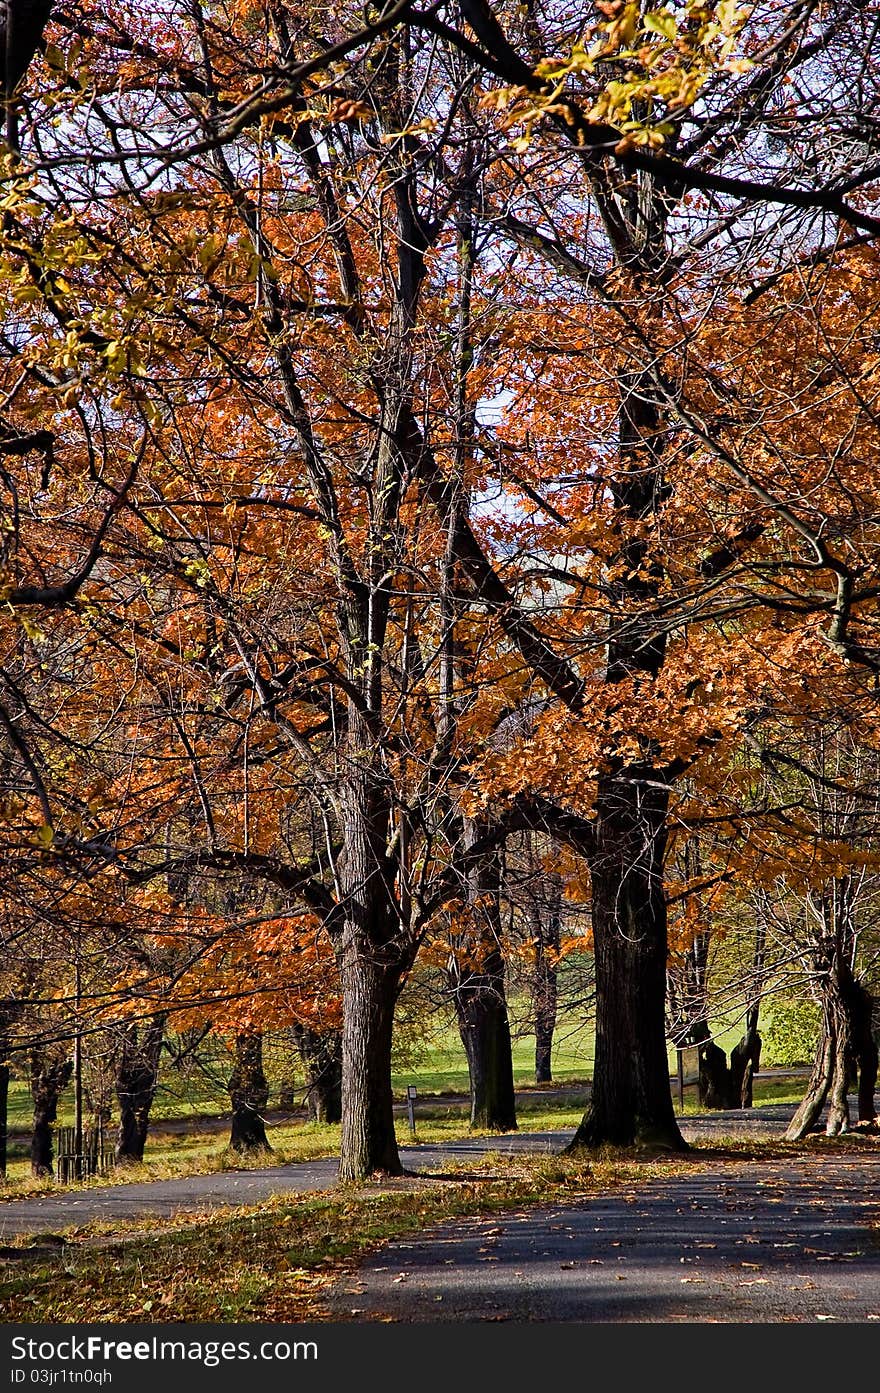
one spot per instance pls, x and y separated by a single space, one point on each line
481 1008
249 1093
816 1091
49 1076
715 1089
723 1086
477 973
321 1055
369 994
631 1100
545 1016
745 1060
830 1077
545 992
137 1076
865 1050
374 954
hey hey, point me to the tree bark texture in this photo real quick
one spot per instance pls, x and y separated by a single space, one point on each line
631 1099
49 1076
137 1077
842 1051
546 930
321 1055
21 27
370 988
745 1061
477 978
722 1085
249 1094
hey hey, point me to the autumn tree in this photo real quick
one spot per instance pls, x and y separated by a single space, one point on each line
263 236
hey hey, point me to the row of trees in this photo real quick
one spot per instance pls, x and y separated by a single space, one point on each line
428 433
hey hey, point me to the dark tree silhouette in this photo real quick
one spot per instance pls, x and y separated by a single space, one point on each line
21 28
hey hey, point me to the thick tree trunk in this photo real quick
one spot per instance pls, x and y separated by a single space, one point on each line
714 1081
723 1086
137 1076
249 1094
21 28
49 1076
631 1100
837 1120
835 1055
865 1050
816 1091
374 954
321 1055
481 1008
477 972
745 1060
369 994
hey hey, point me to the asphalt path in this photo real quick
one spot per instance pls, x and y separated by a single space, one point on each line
783 1241
769 1241
53 1213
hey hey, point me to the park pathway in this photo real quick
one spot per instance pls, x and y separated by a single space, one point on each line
53 1213
778 1240
771 1241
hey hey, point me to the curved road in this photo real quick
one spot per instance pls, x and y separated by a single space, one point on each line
781 1240
72 1208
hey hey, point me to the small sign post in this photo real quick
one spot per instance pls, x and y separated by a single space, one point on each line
411 1092
688 1070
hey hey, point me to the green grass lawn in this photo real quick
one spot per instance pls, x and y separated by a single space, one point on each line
443 1068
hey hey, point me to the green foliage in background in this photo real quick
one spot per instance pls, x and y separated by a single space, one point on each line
793 1033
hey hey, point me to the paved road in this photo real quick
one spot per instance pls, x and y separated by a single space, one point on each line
771 1241
768 1242
55 1212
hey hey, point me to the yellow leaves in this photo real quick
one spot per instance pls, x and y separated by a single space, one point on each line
30 627
198 571
426 126
661 22
666 64
54 58
620 28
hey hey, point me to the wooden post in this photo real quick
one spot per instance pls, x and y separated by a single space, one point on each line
410 1107
77 1081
